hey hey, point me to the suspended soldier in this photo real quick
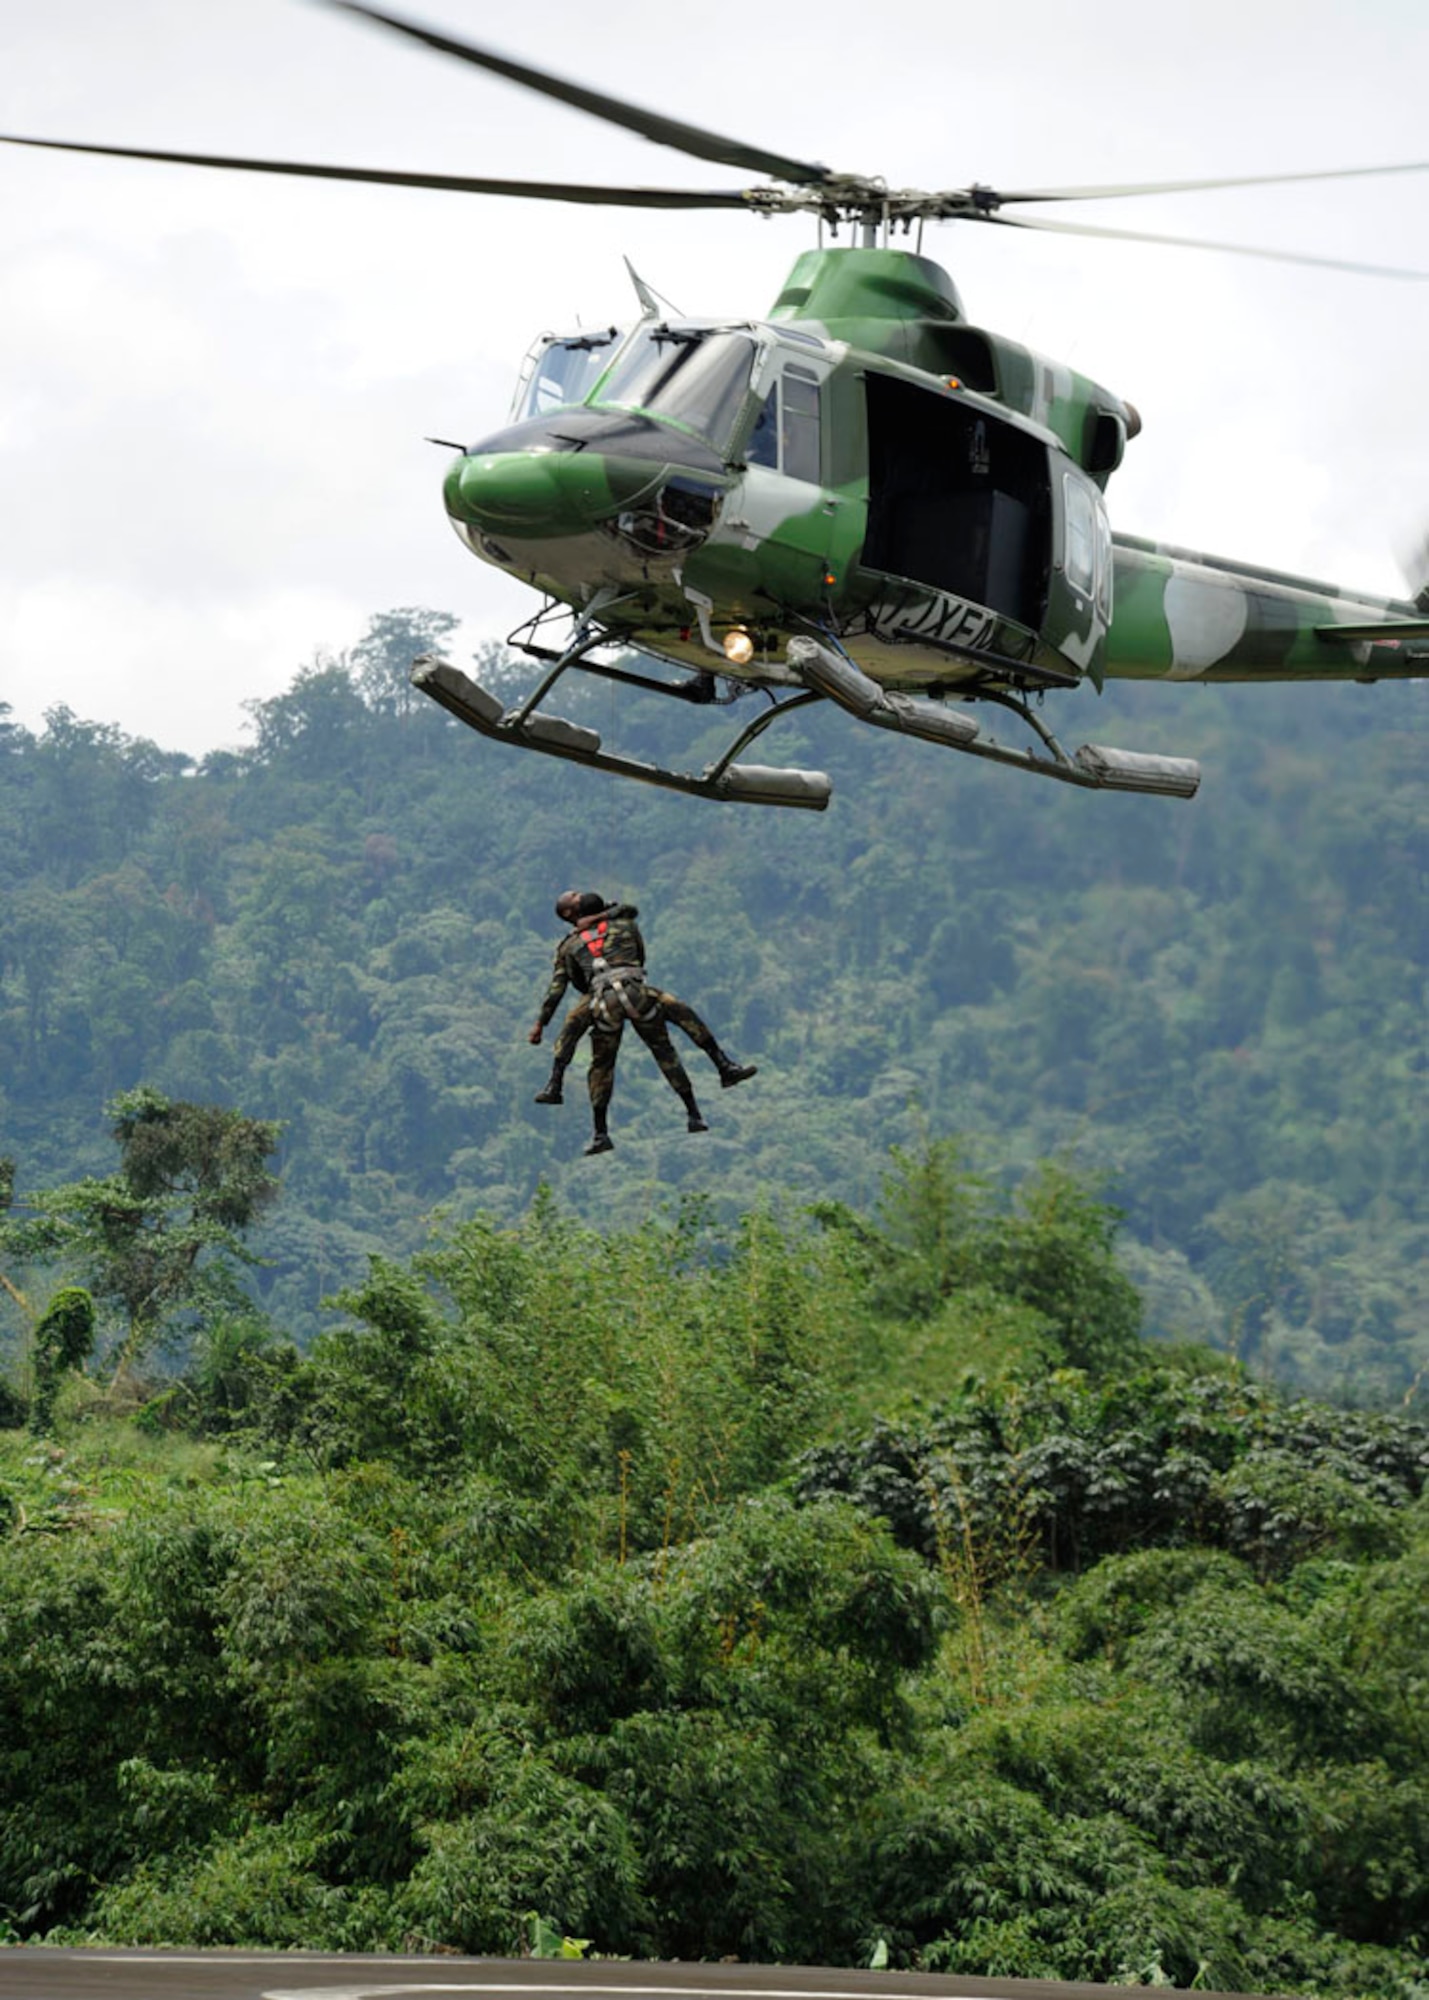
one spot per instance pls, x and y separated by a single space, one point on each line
603 957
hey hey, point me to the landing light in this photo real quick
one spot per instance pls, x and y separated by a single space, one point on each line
738 647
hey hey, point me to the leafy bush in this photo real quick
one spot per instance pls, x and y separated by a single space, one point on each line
556 1589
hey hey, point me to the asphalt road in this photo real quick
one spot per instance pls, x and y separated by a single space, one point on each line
27 1974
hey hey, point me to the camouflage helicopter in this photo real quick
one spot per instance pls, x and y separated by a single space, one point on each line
861 498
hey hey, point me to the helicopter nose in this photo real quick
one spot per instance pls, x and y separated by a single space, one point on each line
541 494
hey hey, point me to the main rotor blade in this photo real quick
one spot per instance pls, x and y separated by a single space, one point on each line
1201 187
1201 243
619 197
650 124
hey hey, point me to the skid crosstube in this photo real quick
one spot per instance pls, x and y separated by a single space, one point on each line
529 729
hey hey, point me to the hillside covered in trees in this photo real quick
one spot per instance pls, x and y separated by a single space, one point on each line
852 1589
345 927
782 1543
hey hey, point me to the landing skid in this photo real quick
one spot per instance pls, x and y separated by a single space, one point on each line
529 729
824 674
1096 767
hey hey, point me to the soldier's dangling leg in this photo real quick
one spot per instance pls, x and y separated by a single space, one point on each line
656 1037
684 1017
600 1082
573 1027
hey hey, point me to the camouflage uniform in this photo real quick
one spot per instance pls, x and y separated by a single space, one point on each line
616 994
613 937
677 1013
572 965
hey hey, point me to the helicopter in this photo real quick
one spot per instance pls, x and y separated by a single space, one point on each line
860 498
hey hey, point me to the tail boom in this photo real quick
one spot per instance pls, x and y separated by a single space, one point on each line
1180 615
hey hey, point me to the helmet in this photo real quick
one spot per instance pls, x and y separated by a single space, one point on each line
568 905
589 903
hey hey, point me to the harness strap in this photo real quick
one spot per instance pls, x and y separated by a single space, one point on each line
621 990
594 939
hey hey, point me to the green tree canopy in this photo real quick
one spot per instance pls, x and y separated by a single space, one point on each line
163 1234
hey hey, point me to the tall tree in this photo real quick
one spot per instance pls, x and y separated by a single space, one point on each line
162 1235
382 658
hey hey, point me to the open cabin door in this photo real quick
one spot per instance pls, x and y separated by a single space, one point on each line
958 500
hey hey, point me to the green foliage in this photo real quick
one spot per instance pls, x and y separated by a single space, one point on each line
1159 1457
345 926
695 1582
1055 1253
160 1236
942 1238
548 1943
586 1393
212 1158
64 1338
551 1600
239 1376
931 1209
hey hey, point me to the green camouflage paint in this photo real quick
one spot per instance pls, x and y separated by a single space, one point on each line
696 541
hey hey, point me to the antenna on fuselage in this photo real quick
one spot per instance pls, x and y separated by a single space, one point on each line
650 301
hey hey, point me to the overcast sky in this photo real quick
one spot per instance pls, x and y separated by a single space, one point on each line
214 389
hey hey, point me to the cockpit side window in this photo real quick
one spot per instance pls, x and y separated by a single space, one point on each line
700 379
1089 560
1081 552
786 431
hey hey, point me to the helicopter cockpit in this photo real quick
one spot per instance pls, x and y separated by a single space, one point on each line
561 369
695 376
698 377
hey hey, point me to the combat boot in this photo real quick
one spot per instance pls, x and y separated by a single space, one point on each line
600 1140
731 1072
693 1120
553 1094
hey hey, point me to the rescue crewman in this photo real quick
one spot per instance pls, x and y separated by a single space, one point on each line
578 1022
603 957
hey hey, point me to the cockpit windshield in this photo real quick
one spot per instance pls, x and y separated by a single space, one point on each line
562 369
699 378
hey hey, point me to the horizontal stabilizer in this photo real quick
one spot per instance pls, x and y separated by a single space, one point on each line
1138 771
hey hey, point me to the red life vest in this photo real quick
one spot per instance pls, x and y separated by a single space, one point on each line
617 993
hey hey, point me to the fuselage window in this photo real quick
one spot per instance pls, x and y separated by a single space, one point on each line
786 431
1081 536
1105 565
800 429
699 379
763 446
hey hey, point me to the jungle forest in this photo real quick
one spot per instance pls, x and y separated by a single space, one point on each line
964 1512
